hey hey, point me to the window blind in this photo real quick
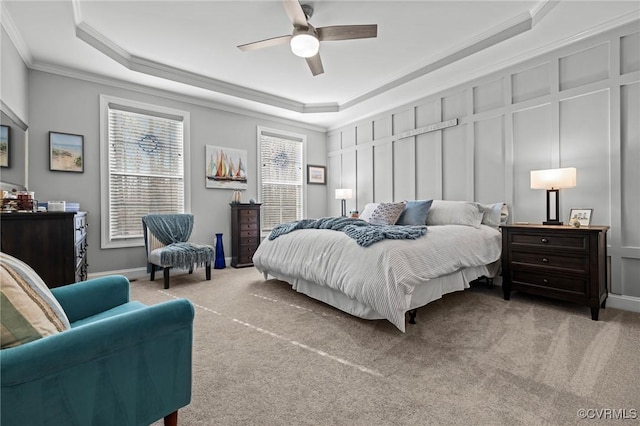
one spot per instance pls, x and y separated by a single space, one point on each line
281 180
146 169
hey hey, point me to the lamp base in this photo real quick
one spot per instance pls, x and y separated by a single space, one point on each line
552 222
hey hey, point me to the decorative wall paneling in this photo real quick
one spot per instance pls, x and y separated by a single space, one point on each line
577 106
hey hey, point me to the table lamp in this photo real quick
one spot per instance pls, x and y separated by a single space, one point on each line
344 195
552 180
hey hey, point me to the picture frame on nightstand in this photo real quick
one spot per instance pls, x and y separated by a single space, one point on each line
583 216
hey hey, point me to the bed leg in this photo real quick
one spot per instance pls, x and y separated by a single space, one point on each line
266 276
412 316
490 282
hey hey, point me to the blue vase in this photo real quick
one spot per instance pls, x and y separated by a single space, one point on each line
220 262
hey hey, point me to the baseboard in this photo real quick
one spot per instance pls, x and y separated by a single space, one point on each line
129 273
135 273
626 303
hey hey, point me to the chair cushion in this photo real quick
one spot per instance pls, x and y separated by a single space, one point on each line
121 309
28 310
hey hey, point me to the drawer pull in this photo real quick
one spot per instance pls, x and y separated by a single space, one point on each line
546 281
545 260
544 240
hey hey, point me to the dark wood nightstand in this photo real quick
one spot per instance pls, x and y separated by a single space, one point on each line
556 261
245 233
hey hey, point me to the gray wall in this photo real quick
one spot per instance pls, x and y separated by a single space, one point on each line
70 105
14 86
14 99
577 106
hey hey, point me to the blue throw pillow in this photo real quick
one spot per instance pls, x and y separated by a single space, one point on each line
415 213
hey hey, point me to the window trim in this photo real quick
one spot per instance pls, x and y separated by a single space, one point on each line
105 100
284 134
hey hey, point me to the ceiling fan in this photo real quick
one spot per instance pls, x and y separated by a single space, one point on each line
305 38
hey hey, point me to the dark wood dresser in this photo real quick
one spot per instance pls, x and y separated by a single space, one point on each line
556 261
245 233
54 244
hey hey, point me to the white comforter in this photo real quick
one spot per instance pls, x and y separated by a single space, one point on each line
383 275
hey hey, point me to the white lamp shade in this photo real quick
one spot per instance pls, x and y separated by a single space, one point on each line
553 178
344 194
304 45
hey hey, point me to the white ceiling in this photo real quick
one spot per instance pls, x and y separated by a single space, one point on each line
188 48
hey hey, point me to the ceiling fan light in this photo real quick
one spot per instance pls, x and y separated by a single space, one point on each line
304 45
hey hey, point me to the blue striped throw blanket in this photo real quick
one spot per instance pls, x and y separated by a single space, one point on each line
361 231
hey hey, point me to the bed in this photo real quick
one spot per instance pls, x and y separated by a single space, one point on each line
393 276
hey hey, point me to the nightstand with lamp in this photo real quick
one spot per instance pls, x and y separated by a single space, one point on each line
553 260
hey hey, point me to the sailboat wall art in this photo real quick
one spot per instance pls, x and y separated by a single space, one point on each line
226 168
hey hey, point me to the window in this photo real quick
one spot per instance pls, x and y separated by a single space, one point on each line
281 189
143 159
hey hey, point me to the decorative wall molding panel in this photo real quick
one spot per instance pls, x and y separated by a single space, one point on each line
577 106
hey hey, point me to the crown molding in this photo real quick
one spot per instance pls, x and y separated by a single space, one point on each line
168 94
14 35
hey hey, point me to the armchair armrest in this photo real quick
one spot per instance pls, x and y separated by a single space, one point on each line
132 368
86 298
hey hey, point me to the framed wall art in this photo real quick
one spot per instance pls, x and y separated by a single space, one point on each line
317 175
4 146
66 152
225 168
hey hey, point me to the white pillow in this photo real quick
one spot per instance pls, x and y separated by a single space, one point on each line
368 211
494 215
454 213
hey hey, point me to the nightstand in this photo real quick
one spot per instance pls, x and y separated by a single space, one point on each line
561 262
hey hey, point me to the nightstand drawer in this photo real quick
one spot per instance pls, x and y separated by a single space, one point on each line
550 240
579 264
558 282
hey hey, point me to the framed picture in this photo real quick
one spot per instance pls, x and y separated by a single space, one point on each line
66 152
581 215
317 175
4 146
225 168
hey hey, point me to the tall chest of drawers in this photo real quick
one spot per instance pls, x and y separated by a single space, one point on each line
54 244
245 233
556 261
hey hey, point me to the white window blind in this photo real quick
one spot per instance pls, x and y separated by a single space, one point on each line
145 168
281 178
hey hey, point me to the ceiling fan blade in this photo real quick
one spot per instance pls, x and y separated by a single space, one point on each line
347 32
315 64
295 13
265 43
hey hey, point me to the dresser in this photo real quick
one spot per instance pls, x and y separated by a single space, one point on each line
561 262
245 233
54 244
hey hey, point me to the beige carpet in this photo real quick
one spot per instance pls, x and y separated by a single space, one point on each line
266 355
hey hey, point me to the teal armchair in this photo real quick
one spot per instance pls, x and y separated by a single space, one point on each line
121 363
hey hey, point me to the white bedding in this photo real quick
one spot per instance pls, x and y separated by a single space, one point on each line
384 275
